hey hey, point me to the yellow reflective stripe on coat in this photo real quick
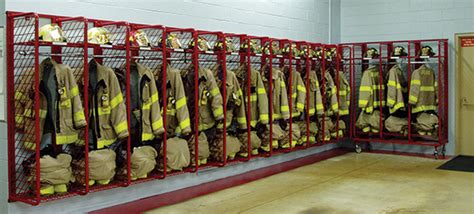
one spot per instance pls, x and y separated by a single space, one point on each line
363 103
342 93
285 108
147 136
181 103
103 111
103 143
253 123
365 88
335 106
415 82
311 111
319 107
261 91
79 116
19 95
116 101
427 88
215 92
66 139
301 88
241 120
121 127
218 112
343 112
29 145
396 107
185 123
294 95
29 112
74 91
413 99
424 108
264 117
276 116
154 98
300 106
391 101
253 98
157 124
18 119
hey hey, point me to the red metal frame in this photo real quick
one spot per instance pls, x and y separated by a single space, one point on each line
413 47
24 38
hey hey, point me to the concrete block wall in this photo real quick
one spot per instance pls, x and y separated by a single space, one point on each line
373 20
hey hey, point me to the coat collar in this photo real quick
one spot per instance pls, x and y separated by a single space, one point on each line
142 70
48 61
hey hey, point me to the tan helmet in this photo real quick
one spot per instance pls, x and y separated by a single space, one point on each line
139 38
172 41
254 47
98 35
51 33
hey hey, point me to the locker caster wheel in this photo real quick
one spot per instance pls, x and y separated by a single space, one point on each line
358 149
436 156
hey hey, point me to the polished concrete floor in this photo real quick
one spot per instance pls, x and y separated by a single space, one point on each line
352 183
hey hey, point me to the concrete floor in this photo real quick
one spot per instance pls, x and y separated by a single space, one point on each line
352 183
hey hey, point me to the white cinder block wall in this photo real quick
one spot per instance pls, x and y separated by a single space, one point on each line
374 20
298 20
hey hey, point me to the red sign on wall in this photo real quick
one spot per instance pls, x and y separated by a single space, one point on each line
467 42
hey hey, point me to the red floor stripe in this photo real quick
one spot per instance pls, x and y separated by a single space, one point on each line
181 195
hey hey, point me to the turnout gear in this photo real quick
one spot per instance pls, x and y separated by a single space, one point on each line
426 123
203 152
370 85
55 174
101 167
313 131
298 93
369 121
275 49
139 38
396 89
61 110
332 107
315 97
177 114
338 130
146 122
217 147
397 125
99 35
423 90
258 96
254 47
255 143
143 161
281 109
51 33
177 154
234 98
344 94
328 126
108 116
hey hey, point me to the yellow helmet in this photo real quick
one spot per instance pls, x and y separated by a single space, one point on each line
139 38
98 35
51 33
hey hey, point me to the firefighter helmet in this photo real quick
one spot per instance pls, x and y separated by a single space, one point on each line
427 51
139 38
203 44
98 35
51 33
399 51
172 41
372 53
228 43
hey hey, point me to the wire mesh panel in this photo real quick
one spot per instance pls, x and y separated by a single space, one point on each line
182 62
36 137
112 55
212 67
151 56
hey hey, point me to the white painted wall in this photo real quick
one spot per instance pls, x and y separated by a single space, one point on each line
374 20
298 20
